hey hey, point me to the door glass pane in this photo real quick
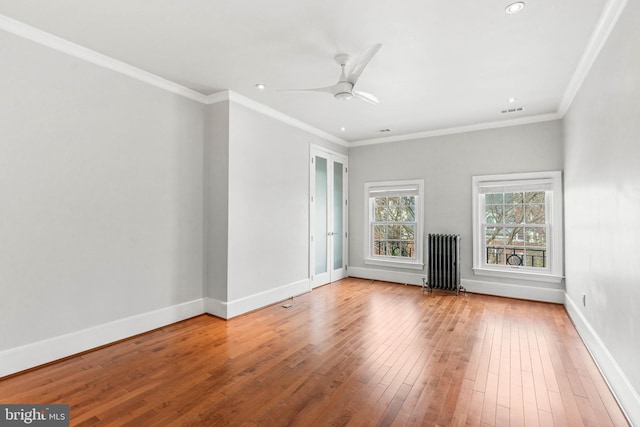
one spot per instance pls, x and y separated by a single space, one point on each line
321 216
338 215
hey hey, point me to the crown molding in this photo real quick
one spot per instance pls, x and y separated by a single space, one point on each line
54 42
608 20
228 95
458 129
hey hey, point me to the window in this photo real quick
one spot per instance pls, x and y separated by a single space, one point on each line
518 225
393 221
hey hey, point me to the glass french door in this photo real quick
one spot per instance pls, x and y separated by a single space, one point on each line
328 217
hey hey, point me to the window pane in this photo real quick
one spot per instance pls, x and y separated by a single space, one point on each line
534 197
535 214
394 201
514 214
394 231
494 236
381 214
379 247
393 213
514 256
406 249
495 255
408 214
494 199
321 216
338 215
514 236
537 237
379 232
512 198
493 214
536 258
408 200
408 232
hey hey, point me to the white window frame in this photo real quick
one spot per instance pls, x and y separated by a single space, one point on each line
369 258
555 270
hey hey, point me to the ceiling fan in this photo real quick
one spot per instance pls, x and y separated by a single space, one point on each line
344 89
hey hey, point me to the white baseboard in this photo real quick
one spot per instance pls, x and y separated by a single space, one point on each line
533 293
477 286
622 389
386 275
227 310
31 355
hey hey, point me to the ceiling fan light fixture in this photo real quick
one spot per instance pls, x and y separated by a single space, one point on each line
514 7
343 96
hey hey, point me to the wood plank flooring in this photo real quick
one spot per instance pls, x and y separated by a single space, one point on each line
354 352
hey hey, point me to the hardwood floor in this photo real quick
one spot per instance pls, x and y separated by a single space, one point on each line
354 352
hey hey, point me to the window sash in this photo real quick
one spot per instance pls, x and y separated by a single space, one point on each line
375 241
504 189
484 216
407 248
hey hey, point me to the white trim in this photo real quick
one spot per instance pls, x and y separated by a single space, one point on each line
607 22
555 271
217 97
458 129
622 389
215 307
605 26
228 95
520 275
31 355
61 45
331 275
418 262
227 310
418 265
386 275
533 293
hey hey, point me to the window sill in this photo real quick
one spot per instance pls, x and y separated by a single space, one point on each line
522 275
397 264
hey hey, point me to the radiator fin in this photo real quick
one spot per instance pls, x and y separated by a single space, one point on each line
443 262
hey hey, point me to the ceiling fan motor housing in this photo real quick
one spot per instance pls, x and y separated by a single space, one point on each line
343 90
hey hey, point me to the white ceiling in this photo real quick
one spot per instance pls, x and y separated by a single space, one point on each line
443 65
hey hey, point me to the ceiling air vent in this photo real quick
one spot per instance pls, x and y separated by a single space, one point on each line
384 130
512 110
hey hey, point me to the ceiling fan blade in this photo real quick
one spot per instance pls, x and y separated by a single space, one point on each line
328 89
361 62
371 99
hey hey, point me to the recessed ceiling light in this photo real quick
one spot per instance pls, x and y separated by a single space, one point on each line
514 7
512 100
260 86
343 128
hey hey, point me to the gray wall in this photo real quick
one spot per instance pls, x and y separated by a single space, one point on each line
100 195
257 205
216 200
447 163
602 203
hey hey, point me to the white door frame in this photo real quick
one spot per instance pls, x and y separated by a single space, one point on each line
331 274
